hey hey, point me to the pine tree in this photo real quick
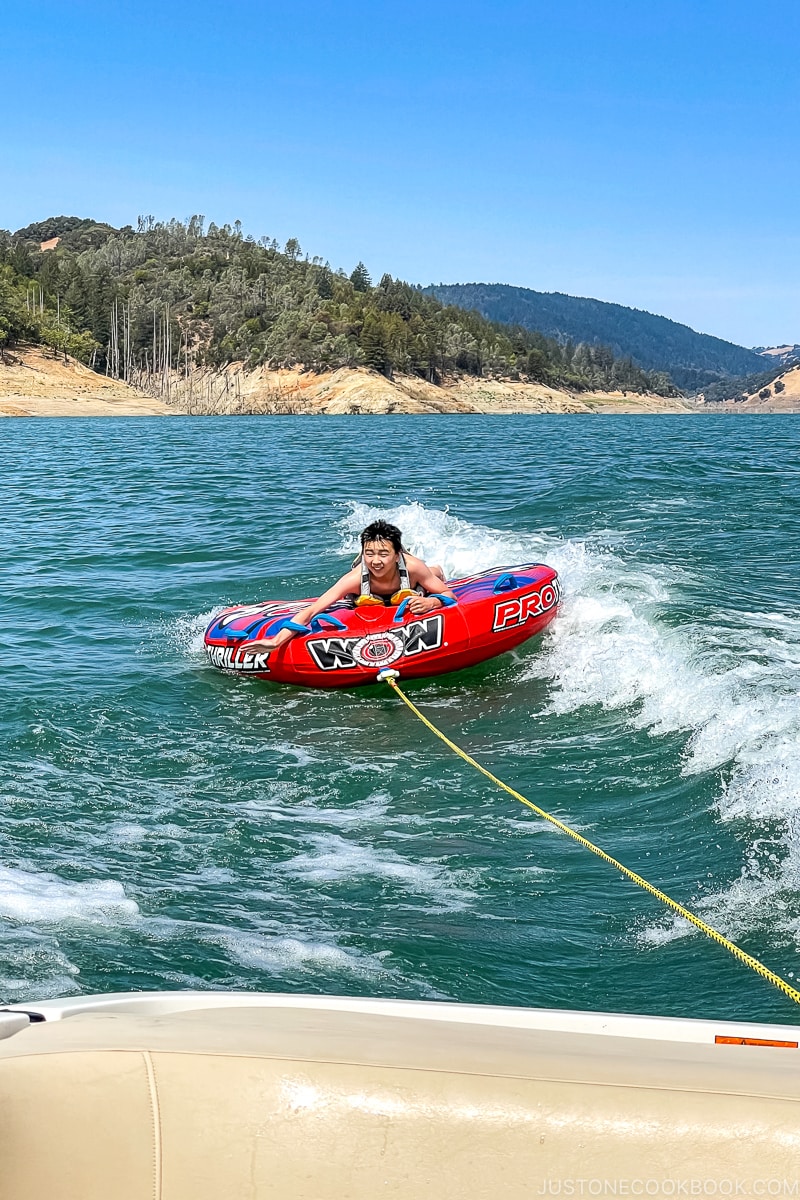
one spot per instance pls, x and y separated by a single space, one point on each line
360 278
373 345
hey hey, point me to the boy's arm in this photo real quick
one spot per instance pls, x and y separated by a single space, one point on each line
425 577
351 582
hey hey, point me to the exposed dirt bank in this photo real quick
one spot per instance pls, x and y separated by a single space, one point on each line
34 384
357 390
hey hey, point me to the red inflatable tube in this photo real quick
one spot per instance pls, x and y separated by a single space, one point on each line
346 647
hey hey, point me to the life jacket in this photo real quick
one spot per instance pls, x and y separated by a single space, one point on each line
397 597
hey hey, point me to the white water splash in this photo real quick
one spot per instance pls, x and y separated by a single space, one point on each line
187 631
730 682
439 536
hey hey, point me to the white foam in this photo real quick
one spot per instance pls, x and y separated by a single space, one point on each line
281 954
41 898
127 832
298 754
760 900
333 859
370 811
32 964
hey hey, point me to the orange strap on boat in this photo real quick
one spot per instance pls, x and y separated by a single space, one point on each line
391 676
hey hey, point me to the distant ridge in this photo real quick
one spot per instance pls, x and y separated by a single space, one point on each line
693 360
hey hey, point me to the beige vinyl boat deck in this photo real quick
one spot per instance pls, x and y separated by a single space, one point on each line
234 1097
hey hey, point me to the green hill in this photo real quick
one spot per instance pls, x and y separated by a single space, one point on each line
693 360
166 296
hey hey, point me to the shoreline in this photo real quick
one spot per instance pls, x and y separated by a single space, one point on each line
34 383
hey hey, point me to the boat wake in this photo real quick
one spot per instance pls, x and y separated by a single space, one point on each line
631 642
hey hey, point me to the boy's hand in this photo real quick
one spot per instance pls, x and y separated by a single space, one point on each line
423 604
260 645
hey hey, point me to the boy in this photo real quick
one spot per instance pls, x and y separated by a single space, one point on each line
383 573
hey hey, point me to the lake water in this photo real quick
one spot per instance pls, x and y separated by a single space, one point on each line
163 825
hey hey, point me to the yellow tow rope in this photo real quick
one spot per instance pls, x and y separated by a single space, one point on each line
390 677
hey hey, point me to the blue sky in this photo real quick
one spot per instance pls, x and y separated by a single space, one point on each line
642 151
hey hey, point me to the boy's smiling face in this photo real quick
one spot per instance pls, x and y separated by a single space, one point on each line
380 559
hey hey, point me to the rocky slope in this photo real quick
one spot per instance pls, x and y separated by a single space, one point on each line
34 383
357 390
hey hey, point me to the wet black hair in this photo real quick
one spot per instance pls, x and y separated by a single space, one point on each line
382 531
